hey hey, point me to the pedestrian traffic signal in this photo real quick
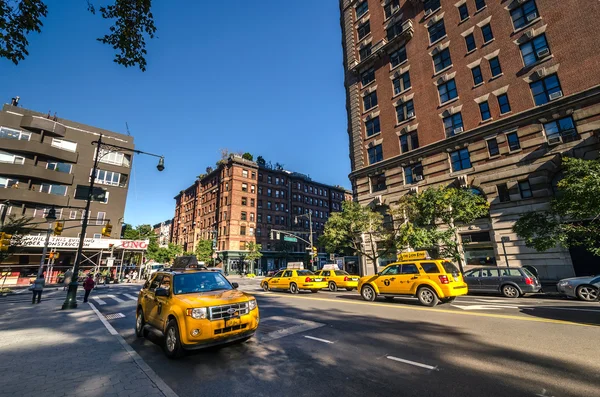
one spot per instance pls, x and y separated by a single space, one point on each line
5 241
58 228
107 230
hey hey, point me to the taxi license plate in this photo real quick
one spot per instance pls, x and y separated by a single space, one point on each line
233 322
318 279
355 279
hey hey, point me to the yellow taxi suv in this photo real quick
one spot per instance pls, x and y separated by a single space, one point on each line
294 280
431 280
339 279
195 309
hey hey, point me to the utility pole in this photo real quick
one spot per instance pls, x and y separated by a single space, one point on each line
51 217
310 238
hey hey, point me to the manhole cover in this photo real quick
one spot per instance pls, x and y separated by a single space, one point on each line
114 316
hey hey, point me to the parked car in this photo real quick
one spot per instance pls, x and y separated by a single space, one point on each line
582 288
511 282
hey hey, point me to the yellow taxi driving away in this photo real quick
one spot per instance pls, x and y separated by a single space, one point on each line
195 309
431 280
294 280
336 278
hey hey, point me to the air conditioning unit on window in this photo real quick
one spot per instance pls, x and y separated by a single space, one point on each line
531 16
458 130
544 52
410 114
418 177
554 140
555 95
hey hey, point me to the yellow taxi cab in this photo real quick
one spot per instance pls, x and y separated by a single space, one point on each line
431 280
336 278
294 280
195 309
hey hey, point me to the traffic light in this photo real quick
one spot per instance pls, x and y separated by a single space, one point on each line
58 228
5 241
315 252
107 230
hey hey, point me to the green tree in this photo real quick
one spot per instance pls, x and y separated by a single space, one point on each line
204 251
359 230
253 251
574 215
167 254
247 156
18 228
430 219
260 161
132 20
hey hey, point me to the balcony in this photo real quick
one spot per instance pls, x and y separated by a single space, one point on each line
22 195
384 46
39 124
30 171
33 147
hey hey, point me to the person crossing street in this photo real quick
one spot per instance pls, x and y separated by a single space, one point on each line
37 288
88 286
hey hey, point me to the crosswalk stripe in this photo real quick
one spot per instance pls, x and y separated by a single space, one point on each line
99 301
131 297
115 298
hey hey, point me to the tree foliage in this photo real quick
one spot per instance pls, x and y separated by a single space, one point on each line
573 217
204 251
18 228
253 251
133 22
247 156
167 254
261 161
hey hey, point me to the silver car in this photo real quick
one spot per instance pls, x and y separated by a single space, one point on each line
512 282
582 288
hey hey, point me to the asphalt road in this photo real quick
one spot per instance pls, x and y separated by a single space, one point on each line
337 344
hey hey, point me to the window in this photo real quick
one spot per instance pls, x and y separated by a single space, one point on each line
252 217
463 12
108 178
244 186
364 30
442 60
108 157
225 215
447 91
524 14
269 193
15 134
453 124
59 190
242 232
269 179
253 175
479 4
391 7
534 50
545 90
252 188
67 145
10 158
562 130
401 83
362 8
484 109
409 268
495 67
97 235
269 205
269 219
368 77
503 103
245 173
430 6
370 101
378 183
251 231
375 154
430 267
252 202
244 200
259 218
436 31
525 189
460 160
72 214
488 35
492 146
394 31
372 126
503 192
409 141
244 215
405 111
365 51
477 76
398 57
100 218
513 141
413 173
470 41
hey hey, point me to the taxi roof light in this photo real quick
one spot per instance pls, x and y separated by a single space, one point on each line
416 255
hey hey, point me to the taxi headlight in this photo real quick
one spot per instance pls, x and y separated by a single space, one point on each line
198 313
252 304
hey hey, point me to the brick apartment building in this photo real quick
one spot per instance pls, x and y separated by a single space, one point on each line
163 232
241 202
480 94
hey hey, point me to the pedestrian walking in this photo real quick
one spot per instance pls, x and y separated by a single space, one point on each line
134 275
37 288
88 286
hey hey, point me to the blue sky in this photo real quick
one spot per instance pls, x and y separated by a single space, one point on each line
264 77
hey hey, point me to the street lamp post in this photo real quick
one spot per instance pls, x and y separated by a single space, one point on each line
310 236
71 299
51 217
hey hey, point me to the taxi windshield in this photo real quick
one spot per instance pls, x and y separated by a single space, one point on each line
200 282
305 273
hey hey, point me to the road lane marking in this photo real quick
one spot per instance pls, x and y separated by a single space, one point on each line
406 307
485 307
99 301
115 298
562 308
131 297
416 364
294 326
318 339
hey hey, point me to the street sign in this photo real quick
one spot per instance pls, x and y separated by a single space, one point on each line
290 239
110 262
331 257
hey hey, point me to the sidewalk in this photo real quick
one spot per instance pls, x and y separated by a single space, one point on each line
45 351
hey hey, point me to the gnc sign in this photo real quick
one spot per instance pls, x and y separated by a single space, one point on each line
134 244
88 243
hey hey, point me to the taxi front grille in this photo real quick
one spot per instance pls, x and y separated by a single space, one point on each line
228 311
230 329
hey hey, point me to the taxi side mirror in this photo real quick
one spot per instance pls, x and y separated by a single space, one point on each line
235 285
378 274
161 292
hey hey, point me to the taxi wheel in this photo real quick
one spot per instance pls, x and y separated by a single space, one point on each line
294 288
139 324
427 297
265 286
368 293
332 286
172 344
